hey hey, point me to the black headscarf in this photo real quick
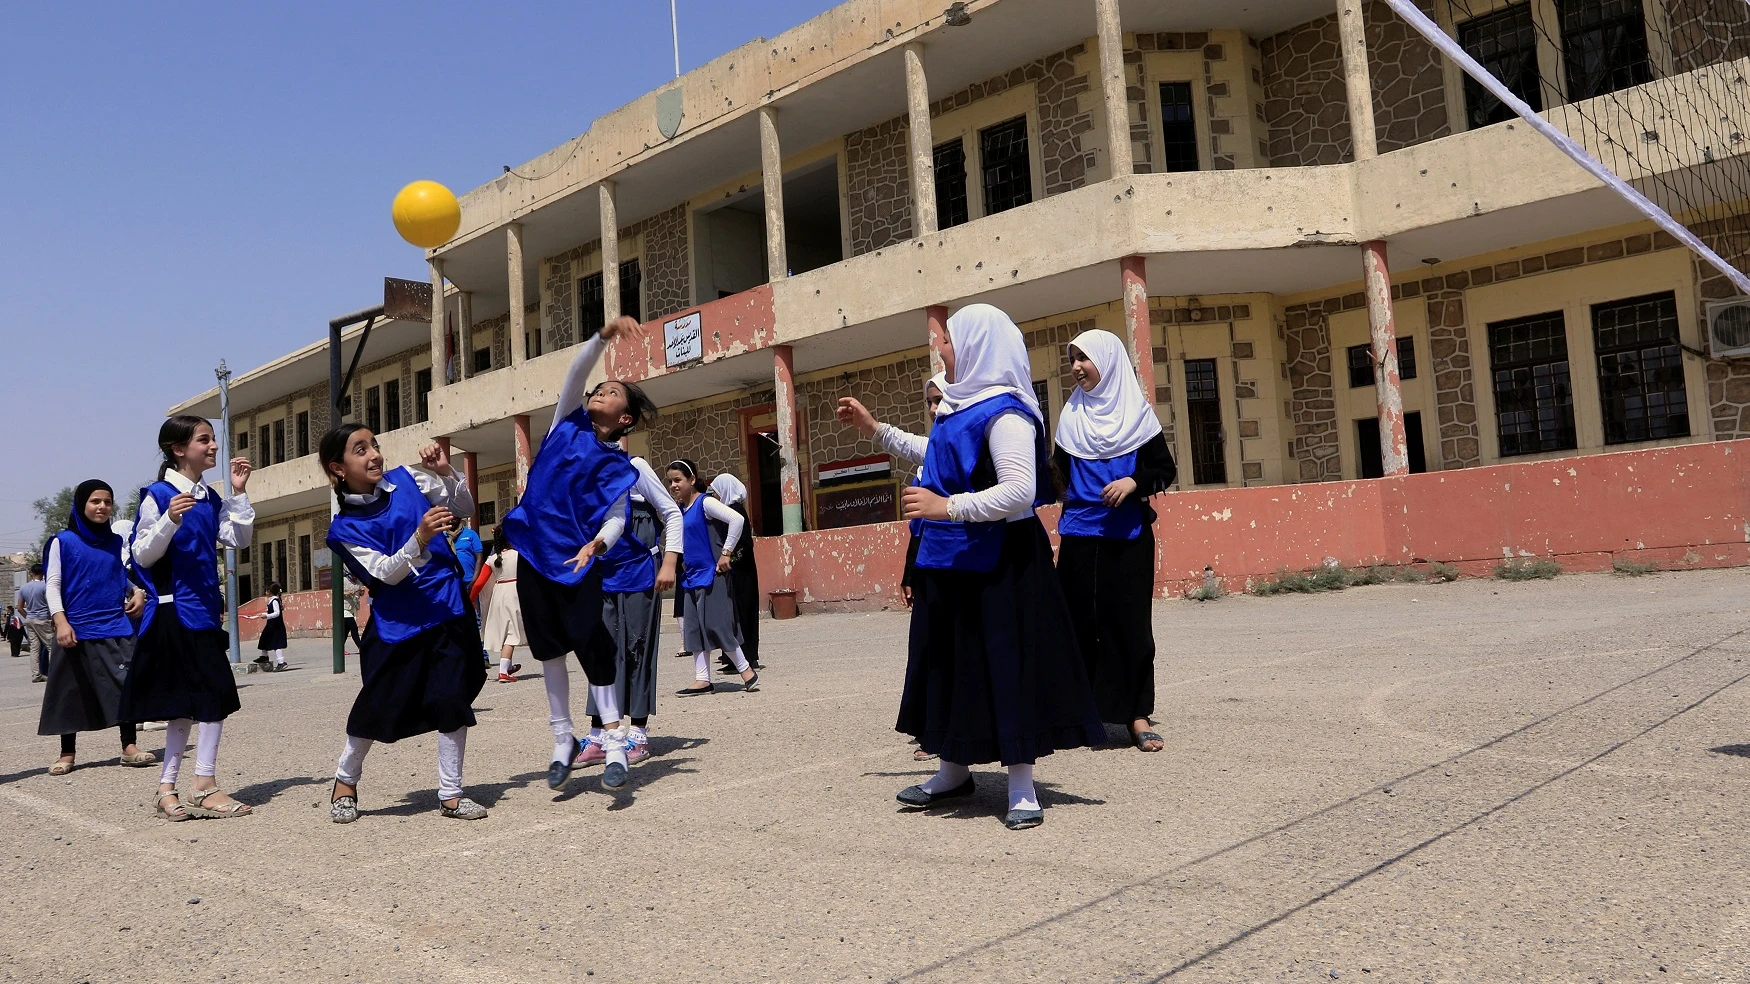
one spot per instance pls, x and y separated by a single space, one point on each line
98 535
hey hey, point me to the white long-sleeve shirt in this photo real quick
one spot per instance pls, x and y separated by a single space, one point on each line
413 556
575 389
654 492
1010 440
153 530
52 576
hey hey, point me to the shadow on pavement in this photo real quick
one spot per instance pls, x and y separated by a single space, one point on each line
26 774
1740 750
263 793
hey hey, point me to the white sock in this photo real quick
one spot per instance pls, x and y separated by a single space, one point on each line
452 745
949 776
739 660
504 666
175 743
639 735
614 742
206 749
279 657
352 760
595 735
557 676
701 667
1021 794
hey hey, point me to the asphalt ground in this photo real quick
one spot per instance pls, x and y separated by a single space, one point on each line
1476 781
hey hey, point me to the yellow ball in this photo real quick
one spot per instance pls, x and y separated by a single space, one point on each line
426 214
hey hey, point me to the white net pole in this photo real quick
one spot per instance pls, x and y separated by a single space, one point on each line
1451 49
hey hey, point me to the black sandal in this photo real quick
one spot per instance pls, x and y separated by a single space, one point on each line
1141 738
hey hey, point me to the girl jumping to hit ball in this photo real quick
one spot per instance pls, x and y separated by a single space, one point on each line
992 674
579 478
181 672
419 660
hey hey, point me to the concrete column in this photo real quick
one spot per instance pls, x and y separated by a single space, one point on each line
1133 276
923 152
443 442
789 471
1394 452
610 212
1112 87
1357 80
465 333
524 455
936 319
513 256
439 369
471 478
772 167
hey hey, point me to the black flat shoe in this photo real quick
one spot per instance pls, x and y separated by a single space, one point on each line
916 797
614 776
557 773
1022 819
696 691
751 686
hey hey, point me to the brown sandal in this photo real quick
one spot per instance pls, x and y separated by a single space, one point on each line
196 805
60 768
173 815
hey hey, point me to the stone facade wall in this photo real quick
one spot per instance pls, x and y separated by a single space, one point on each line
1312 401
878 185
1704 32
1306 104
894 393
1449 355
710 435
664 267
284 530
1728 380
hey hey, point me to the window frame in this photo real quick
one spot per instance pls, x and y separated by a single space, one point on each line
1600 353
1182 66
422 395
301 433
373 416
966 123
1219 403
391 404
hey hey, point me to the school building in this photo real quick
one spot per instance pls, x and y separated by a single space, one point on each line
1225 186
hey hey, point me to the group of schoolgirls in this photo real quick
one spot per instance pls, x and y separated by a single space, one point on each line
139 631
1009 659
594 540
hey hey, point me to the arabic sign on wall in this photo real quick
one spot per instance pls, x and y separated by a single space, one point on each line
683 340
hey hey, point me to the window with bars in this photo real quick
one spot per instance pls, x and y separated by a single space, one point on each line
304 563
1203 407
422 395
265 568
1534 399
1361 362
1005 165
279 564
1179 126
1640 369
591 317
488 514
303 432
1604 46
1505 43
263 445
279 440
374 408
243 439
950 166
392 404
483 360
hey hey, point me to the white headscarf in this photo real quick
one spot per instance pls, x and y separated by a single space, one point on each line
990 359
940 382
728 489
1115 418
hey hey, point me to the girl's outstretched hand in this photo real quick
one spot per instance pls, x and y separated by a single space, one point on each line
852 413
240 469
433 458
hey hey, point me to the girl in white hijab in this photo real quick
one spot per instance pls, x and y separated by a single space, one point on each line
744 575
993 674
1111 456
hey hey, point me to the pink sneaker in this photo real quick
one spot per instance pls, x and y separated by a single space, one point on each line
636 751
589 752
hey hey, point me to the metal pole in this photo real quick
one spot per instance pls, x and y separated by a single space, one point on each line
224 375
674 26
336 573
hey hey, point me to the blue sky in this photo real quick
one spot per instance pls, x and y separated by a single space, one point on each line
181 183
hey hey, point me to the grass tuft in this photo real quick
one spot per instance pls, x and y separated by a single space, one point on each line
1631 569
1527 569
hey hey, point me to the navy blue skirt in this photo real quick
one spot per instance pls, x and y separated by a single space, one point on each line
566 618
994 674
425 683
178 672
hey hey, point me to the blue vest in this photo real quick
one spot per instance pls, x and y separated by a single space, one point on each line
1083 512
189 570
94 588
699 553
429 596
574 481
630 568
958 461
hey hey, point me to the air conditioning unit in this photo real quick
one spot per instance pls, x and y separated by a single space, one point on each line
1728 328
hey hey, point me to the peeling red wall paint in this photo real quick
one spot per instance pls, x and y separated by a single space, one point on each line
1676 507
307 614
729 326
